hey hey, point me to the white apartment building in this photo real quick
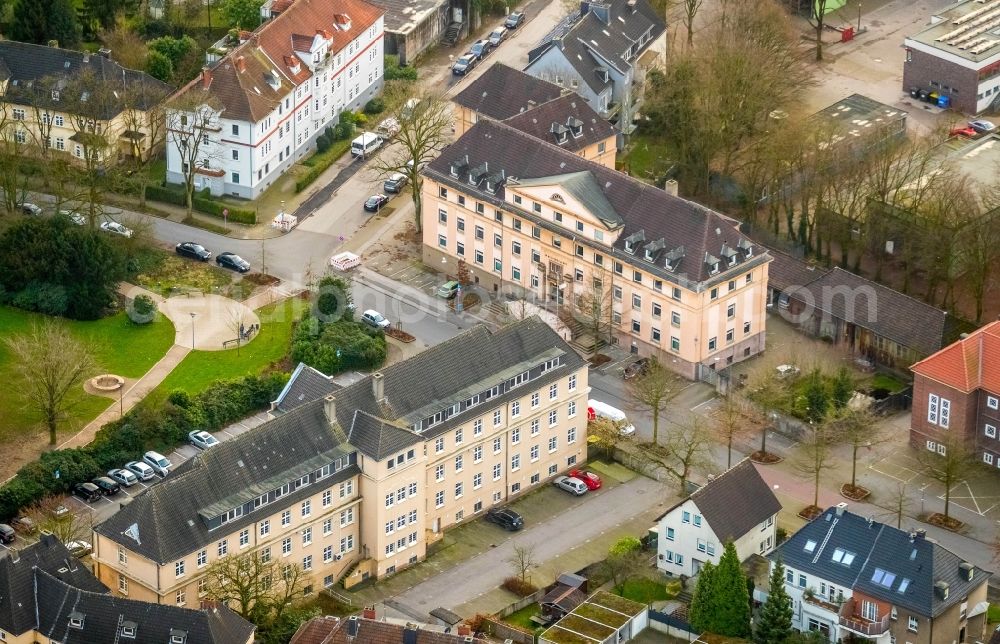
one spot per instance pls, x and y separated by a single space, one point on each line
261 107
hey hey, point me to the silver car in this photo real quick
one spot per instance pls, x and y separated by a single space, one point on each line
124 478
202 439
375 319
160 464
142 471
572 485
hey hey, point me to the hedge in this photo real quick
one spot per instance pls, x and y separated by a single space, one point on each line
201 204
320 161
145 427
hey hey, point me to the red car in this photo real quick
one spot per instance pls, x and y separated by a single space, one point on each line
592 481
963 131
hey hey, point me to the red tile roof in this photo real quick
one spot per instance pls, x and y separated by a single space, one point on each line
968 364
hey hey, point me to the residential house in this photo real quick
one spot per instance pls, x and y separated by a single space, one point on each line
602 53
363 630
956 396
666 276
956 57
539 108
260 108
354 483
75 103
603 617
851 576
736 506
50 596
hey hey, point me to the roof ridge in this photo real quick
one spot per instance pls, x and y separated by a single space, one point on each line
870 281
745 459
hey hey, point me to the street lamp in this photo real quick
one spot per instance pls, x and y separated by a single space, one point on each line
193 314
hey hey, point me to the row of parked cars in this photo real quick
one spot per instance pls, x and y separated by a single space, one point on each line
202 254
578 482
108 226
482 48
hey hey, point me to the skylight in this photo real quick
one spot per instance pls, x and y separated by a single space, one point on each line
903 585
841 556
878 575
810 546
883 578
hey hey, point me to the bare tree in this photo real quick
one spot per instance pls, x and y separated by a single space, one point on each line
65 526
236 321
424 127
817 18
690 9
258 589
94 102
51 364
732 424
858 427
190 124
144 119
653 391
522 560
946 465
43 96
13 152
770 393
898 503
686 448
813 454
592 308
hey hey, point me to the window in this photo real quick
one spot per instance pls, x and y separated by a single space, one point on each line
992 402
306 507
439 499
553 443
802 581
715 293
477 427
571 383
553 417
122 584
122 556
347 517
179 569
458 490
991 431
701 545
515 462
730 335
987 458
286 517
223 548
670 534
477 455
675 319
945 413
438 474
571 409
496 472
286 545
244 538
697 520
911 624
685 517
202 558
458 463
553 391
932 409
497 443
534 453
731 311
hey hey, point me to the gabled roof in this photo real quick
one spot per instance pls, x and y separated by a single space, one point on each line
306 384
376 438
642 207
583 186
502 92
735 502
880 309
103 616
358 630
786 272
968 364
17 579
879 560
170 518
539 122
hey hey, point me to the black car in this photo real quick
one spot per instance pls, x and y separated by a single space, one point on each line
637 368
108 486
464 64
193 250
87 491
233 261
395 183
6 533
505 518
480 48
514 20
375 202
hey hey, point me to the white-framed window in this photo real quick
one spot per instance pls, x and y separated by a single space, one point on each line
307 536
459 463
477 481
571 408
535 425
553 443
571 435
670 534
945 414
515 462
459 490
533 452
223 548
244 538
286 545
477 454
515 409
438 473
571 383
993 402
477 427
911 624
122 584
932 408
553 417
497 418
202 558
439 499
497 471
534 400
497 445
991 431
179 568
987 458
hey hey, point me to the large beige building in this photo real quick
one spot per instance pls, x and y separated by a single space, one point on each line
353 483
76 104
656 273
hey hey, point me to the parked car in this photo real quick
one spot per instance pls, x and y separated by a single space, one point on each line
233 261
87 491
31 209
142 471
394 184
514 20
374 319
786 370
375 202
571 485
463 64
116 228
596 408
193 250
74 217
7 533
108 486
160 464
982 125
505 518
448 290
497 36
202 439
637 368
79 548
591 480
123 477
480 49
963 131
25 525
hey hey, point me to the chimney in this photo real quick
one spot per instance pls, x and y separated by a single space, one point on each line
840 509
330 408
378 386
369 612
670 187
241 64
941 589
352 627
920 533
410 634
206 77
464 630
966 570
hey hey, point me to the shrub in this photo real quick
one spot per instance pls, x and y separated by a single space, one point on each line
203 204
393 70
336 346
518 587
323 143
49 299
375 106
343 131
319 162
142 310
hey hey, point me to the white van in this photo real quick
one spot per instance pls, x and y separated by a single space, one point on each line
365 144
595 408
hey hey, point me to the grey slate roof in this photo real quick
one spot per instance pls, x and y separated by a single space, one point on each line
538 122
584 187
502 92
17 594
305 384
642 208
879 309
169 513
785 272
23 64
376 438
734 502
403 16
103 613
879 546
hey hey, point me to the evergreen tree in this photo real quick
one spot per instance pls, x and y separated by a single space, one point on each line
28 22
843 388
732 604
702 606
62 25
774 623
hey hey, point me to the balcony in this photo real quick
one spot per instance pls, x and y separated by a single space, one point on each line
861 626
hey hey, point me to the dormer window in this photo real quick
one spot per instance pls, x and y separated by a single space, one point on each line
632 241
649 255
76 620
178 636
628 247
732 260
129 629
715 268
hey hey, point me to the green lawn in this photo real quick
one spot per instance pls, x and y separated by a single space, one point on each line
993 614
647 157
201 368
118 346
522 617
644 590
887 382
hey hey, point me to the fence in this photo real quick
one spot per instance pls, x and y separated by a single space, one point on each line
507 632
521 603
899 401
673 626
